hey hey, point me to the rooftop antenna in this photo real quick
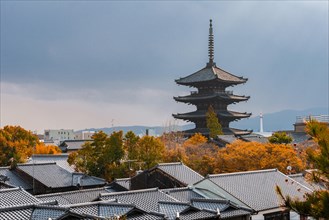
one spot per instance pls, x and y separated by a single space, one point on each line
211 46
261 122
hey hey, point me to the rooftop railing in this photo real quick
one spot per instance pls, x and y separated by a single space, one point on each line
319 118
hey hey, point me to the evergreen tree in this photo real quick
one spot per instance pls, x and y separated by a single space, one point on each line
213 124
316 204
280 138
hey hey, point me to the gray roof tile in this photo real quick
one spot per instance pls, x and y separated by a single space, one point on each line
252 186
54 176
16 197
210 73
17 214
124 182
59 159
73 197
14 179
183 194
146 199
170 209
181 172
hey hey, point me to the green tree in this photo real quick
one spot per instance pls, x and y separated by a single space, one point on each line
151 150
99 155
280 138
315 203
213 124
130 145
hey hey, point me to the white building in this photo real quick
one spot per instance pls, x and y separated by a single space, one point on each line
83 135
58 135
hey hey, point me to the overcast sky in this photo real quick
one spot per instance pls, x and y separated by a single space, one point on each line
84 64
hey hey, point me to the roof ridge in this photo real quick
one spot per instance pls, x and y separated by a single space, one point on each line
103 202
70 192
242 172
130 192
170 164
36 164
298 183
10 189
175 202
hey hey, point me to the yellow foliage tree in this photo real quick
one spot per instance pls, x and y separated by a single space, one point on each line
244 156
41 148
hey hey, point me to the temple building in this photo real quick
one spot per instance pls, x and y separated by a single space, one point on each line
211 83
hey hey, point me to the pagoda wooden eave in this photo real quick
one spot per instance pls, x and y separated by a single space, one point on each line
216 96
202 114
208 74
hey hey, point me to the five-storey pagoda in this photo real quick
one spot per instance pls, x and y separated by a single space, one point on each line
211 83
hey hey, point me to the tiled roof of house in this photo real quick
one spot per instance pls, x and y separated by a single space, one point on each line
59 159
17 213
73 144
198 214
170 209
183 194
208 74
73 197
181 172
14 179
16 197
299 177
146 199
226 208
252 186
54 176
124 182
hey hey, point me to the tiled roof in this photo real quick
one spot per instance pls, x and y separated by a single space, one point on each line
170 209
14 179
198 214
46 212
208 74
16 197
124 182
73 197
54 176
299 177
146 199
59 159
211 204
74 144
226 208
257 188
183 194
17 213
181 172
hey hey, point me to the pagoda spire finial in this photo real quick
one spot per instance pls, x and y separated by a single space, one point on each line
211 46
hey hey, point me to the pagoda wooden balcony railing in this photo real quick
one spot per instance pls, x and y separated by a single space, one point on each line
193 93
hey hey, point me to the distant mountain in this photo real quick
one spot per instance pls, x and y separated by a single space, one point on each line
283 120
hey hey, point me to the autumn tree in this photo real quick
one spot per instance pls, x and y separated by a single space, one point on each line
16 144
280 138
213 124
315 203
200 155
41 148
244 156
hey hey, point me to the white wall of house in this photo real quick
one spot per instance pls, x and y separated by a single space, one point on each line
59 135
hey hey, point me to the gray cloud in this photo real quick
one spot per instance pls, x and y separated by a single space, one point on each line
123 53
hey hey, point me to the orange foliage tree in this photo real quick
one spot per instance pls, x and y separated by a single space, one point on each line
244 156
41 148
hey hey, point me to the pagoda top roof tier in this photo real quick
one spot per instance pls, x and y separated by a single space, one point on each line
209 73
